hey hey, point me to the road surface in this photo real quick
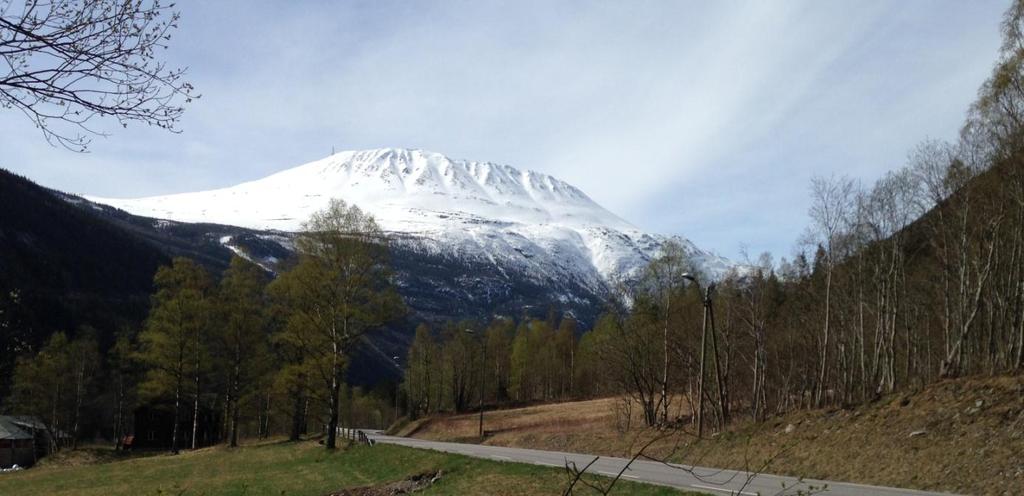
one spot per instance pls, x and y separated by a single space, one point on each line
697 479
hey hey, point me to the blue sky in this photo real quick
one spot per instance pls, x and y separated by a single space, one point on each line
705 119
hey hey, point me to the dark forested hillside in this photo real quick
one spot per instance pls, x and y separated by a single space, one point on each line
62 267
66 262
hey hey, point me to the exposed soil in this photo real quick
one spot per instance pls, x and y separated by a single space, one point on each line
406 486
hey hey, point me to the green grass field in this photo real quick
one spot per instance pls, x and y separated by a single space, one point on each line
292 469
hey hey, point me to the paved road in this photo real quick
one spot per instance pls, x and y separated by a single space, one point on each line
697 479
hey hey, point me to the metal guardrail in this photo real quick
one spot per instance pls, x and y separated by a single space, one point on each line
357 435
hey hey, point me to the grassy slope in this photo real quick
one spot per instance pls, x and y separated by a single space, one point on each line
290 469
966 446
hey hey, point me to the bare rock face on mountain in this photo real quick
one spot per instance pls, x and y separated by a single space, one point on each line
511 230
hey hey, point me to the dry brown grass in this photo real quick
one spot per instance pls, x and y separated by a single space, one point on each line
591 426
579 416
968 438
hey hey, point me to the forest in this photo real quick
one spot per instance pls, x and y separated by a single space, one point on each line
238 355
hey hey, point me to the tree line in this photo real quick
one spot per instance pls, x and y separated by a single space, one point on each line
242 355
465 364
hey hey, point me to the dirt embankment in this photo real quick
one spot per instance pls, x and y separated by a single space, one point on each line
963 436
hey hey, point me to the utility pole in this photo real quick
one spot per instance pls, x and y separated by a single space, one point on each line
703 350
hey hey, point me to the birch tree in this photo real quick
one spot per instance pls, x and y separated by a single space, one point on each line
242 334
172 340
339 290
420 373
660 288
123 369
831 206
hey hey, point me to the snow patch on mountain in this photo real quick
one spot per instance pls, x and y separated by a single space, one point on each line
508 218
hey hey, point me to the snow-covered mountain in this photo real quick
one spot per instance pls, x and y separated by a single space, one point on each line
495 217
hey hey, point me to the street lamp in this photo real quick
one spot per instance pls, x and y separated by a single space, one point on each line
703 349
483 377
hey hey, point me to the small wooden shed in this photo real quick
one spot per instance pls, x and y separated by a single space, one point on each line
17 444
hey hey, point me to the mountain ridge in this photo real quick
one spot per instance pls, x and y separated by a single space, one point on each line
479 209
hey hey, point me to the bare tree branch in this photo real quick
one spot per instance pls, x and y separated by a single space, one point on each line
64 62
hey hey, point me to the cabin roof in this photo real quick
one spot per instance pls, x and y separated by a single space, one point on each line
9 429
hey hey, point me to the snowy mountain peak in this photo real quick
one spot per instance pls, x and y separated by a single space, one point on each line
514 219
396 177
